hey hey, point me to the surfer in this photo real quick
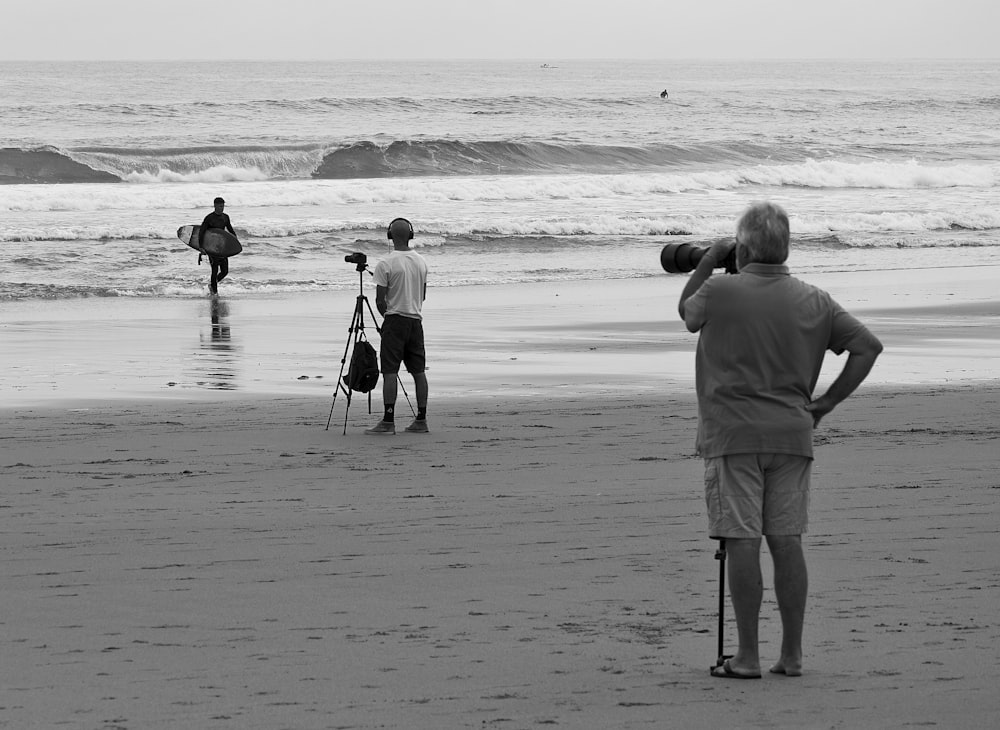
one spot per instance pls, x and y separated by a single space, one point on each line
220 264
664 94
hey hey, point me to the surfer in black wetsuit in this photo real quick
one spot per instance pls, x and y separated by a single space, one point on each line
664 94
220 264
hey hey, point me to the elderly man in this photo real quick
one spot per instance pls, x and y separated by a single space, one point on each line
763 336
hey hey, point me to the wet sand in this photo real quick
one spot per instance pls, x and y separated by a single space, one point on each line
507 342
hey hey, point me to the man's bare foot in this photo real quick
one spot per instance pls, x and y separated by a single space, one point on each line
727 671
788 668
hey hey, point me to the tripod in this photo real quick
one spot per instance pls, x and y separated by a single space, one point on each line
355 334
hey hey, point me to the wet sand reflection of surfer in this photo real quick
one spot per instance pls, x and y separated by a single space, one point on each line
219 354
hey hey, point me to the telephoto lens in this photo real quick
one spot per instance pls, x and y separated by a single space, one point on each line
680 258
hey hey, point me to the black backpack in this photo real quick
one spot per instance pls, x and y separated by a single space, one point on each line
362 375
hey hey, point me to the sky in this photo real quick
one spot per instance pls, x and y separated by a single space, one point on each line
524 29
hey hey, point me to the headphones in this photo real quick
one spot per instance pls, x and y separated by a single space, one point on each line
388 231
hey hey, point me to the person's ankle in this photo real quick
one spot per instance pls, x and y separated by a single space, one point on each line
745 660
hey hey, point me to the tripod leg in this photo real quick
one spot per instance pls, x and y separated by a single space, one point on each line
405 394
357 326
346 411
398 377
359 333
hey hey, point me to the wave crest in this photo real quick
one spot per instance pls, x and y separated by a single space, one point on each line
621 169
408 158
46 165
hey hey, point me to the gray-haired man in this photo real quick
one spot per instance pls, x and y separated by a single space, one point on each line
763 336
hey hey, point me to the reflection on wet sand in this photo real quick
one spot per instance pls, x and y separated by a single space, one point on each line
217 359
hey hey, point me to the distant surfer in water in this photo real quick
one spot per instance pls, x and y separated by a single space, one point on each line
664 94
220 264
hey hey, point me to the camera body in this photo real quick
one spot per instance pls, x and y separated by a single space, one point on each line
680 258
356 258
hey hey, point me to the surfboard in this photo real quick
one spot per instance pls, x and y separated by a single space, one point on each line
218 241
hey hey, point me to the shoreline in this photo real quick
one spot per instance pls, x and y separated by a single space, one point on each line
514 341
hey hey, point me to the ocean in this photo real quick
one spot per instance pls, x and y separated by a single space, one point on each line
511 172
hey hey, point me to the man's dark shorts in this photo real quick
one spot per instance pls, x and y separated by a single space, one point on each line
402 341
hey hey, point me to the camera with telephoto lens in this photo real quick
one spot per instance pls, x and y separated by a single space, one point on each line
356 258
680 258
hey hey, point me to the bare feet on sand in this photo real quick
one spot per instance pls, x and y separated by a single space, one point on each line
788 668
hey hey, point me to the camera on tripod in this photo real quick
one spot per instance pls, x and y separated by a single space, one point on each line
680 258
356 258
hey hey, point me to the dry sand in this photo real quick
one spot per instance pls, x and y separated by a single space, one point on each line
539 559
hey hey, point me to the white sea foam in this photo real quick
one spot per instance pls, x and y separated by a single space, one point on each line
829 174
903 176
219 173
337 231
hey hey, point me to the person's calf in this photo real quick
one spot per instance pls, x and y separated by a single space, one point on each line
791 587
746 591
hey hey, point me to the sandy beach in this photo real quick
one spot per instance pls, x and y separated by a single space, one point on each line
186 545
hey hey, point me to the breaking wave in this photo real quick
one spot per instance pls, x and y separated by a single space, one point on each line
361 159
718 167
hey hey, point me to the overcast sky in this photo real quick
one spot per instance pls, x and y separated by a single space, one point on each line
535 29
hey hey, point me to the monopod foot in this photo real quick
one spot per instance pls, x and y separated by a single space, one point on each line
720 661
